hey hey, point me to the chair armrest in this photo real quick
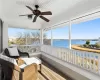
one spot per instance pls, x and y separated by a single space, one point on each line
20 69
17 68
23 53
10 64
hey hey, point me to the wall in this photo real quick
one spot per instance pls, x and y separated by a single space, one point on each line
5 35
0 36
0 44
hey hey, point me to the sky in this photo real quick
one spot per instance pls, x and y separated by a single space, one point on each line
84 30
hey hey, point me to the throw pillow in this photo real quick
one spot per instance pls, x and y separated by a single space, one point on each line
13 51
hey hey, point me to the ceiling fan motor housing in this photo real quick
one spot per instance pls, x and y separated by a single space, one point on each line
37 12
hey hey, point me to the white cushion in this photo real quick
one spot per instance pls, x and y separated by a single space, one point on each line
13 51
23 66
29 61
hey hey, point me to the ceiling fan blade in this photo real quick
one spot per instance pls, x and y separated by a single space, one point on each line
34 20
44 18
25 14
29 8
46 13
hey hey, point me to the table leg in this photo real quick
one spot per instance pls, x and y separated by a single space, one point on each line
40 67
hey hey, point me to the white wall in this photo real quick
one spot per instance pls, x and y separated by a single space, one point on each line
5 35
0 36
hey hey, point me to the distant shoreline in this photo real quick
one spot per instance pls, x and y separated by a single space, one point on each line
77 47
77 39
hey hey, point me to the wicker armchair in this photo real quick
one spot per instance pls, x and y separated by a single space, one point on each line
13 72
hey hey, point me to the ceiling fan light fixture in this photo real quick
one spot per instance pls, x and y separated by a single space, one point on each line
29 16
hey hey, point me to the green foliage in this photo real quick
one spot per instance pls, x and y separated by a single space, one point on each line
88 45
88 42
10 42
85 45
97 45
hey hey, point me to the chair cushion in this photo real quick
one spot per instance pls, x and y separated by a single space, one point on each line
13 51
32 60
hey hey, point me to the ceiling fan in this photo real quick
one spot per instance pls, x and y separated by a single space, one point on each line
37 13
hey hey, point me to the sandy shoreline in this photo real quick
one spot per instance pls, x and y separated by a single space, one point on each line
77 47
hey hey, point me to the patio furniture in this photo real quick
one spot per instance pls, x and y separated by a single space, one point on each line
33 60
14 72
13 52
21 54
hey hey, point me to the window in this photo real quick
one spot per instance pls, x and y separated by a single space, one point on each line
47 37
84 31
19 36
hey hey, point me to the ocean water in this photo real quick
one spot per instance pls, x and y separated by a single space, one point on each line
65 43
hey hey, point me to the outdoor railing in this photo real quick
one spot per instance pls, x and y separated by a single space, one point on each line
28 48
86 60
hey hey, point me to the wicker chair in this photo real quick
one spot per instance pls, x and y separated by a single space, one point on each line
13 72
24 54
